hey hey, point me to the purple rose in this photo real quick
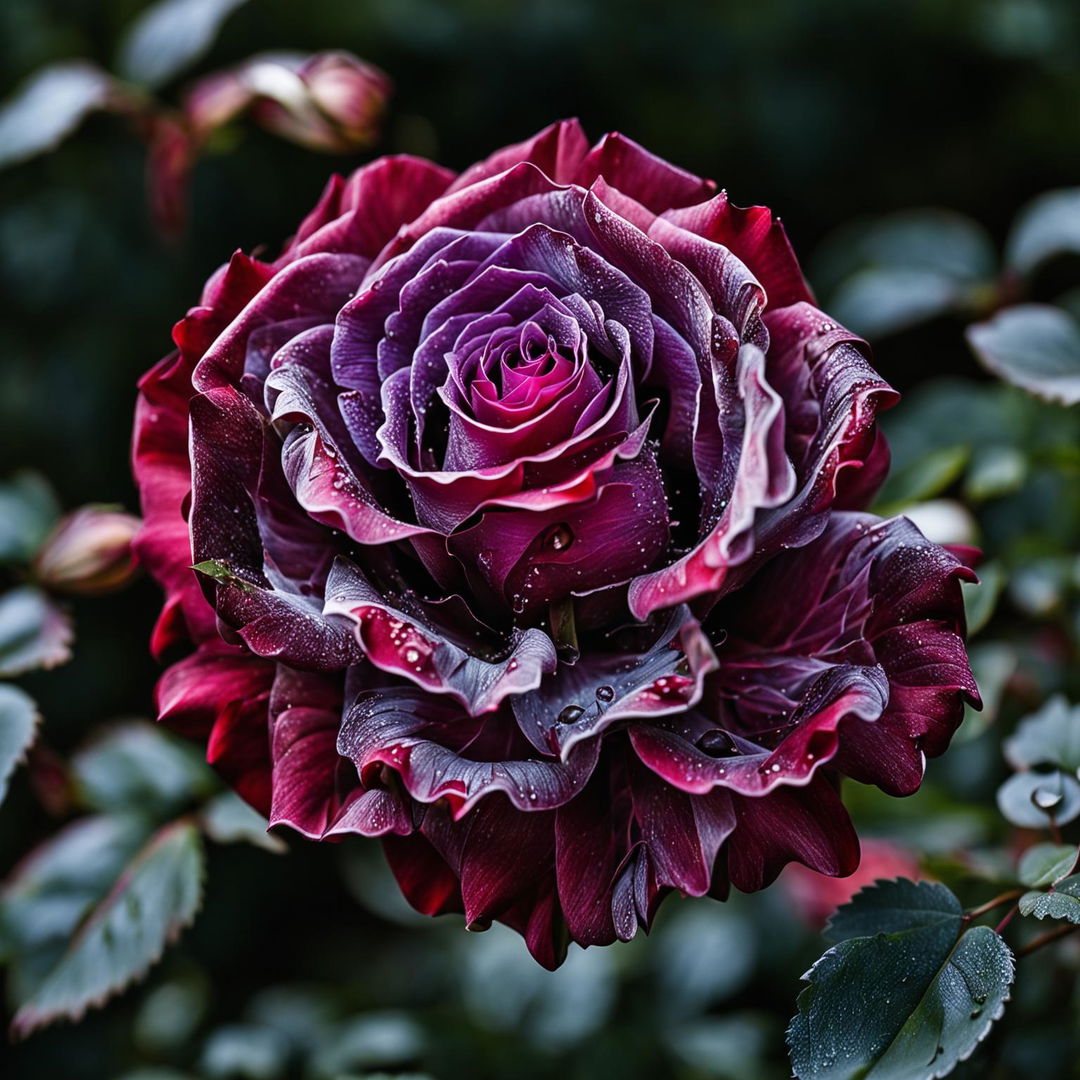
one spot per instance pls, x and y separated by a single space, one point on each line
524 509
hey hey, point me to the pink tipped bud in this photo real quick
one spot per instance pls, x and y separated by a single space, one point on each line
89 551
329 101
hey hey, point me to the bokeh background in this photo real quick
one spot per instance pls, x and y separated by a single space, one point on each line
828 112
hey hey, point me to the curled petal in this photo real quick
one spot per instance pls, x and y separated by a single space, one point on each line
412 733
411 646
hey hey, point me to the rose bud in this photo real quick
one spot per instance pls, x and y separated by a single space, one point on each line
89 551
332 102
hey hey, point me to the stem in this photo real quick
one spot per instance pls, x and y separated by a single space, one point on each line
1009 916
1004 898
1047 939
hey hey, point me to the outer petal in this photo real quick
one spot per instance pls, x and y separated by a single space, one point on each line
222 693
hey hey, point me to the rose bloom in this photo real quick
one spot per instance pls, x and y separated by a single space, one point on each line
524 510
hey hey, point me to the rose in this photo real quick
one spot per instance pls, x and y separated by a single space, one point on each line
523 506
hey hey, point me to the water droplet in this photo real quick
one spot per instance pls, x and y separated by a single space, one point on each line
569 714
559 537
1045 799
717 744
605 693
478 926
517 604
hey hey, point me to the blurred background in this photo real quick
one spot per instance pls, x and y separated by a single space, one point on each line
836 114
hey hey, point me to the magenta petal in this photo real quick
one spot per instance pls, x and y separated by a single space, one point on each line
413 733
838 699
764 479
306 774
755 237
643 176
583 700
807 825
409 645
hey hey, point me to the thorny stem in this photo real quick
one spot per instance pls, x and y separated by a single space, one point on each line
1047 939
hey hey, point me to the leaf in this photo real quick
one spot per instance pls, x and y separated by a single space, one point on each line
981 597
904 269
251 1051
926 477
169 36
18 725
54 887
49 106
218 571
157 895
1033 346
1062 903
881 301
1049 225
924 238
34 632
995 471
1047 864
890 907
903 1005
228 820
1034 800
28 509
993 664
702 957
136 766
1050 736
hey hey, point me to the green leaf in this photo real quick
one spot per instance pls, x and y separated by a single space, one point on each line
170 35
245 1052
229 820
1062 903
1033 346
1050 736
54 887
884 300
34 632
925 477
1049 225
49 106
219 571
28 509
924 238
139 767
891 907
156 896
907 1005
1035 800
995 471
993 664
981 597
1047 864
18 725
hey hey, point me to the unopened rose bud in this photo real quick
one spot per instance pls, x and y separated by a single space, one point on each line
329 101
89 551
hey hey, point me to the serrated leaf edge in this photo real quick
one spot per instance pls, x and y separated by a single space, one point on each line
937 1074
28 1020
